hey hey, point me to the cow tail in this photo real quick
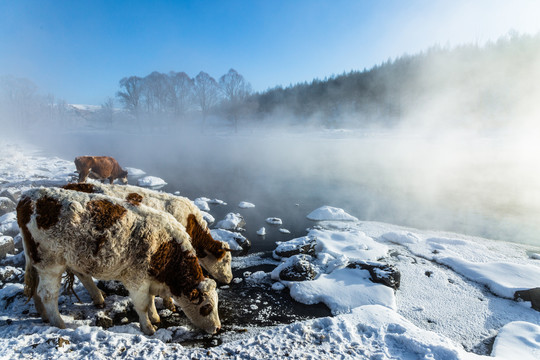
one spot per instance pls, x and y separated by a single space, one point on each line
69 280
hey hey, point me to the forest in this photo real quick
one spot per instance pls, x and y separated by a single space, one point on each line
472 86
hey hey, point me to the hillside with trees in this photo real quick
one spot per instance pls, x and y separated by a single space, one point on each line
472 86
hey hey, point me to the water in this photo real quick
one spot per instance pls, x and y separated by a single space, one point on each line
487 187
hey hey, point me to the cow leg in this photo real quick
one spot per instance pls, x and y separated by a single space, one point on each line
152 311
141 302
90 286
48 290
40 308
111 180
83 175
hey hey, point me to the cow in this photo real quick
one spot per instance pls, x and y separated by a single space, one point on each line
111 239
214 256
100 168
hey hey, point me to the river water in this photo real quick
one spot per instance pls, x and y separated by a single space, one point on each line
484 186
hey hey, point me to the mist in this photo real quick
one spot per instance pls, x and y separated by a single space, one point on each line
457 149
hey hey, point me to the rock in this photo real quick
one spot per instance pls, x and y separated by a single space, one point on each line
232 221
6 205
103 320
7 246
8 224
237 242
112 287
380 273
308 249
18 242
12 194
274 221
299 269
532 295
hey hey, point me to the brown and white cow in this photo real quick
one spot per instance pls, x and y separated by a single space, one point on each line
100 168
214 256
111 239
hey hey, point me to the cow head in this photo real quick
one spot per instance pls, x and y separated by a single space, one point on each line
201 306
219 269
123 177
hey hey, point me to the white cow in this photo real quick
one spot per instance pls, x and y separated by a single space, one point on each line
107 238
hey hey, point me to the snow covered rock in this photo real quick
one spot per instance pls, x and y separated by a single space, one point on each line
8 224
298 268
6 205
329 213
152 182
274 221
245 205
380 273
303 245
7 246
237 242
232 221
202 203
261 231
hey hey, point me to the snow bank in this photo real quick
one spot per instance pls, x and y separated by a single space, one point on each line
329 213
151 182
518 340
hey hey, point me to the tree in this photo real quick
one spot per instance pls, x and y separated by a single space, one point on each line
182 92
206 92
131 96
235 89
156 92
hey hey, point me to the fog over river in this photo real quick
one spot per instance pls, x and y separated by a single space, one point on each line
478 185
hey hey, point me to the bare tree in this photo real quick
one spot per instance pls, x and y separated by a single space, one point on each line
182 92
157 92
206 92
130 97
235 89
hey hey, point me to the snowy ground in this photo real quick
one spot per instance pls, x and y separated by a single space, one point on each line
455 299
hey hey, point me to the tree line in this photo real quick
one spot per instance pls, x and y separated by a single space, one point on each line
469 85
177 95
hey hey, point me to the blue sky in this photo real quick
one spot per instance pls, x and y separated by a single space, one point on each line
79 50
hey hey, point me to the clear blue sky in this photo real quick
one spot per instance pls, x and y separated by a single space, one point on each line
78 50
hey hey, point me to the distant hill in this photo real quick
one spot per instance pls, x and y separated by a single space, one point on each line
470 85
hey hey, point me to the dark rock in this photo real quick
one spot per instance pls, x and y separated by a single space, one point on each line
299 270
103 320
112 287
6 205
308 249
380 273
532 295
244 243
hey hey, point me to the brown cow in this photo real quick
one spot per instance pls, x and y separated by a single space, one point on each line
111 239
101 168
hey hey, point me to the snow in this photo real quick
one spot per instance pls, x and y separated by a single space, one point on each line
274 221
202 203
456 291
261 231
153 182
232 221
327 213
245 205
135 172
518 340
228 236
